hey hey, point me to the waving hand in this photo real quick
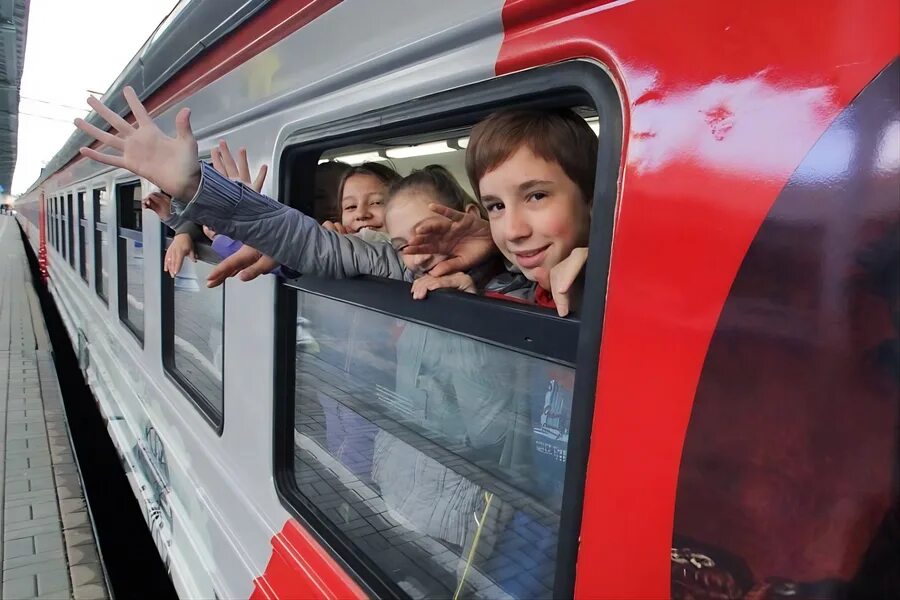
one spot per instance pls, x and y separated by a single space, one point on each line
169 162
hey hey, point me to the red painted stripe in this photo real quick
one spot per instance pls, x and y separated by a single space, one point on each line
703 83
300 568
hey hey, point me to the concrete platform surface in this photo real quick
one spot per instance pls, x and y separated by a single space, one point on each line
48 544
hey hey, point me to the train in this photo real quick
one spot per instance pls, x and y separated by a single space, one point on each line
719 419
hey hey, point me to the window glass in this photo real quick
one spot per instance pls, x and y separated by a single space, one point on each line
100 243
70 231
82 238
196 343
134 284
439 457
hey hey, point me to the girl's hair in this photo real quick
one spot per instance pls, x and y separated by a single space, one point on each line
385 174
442 183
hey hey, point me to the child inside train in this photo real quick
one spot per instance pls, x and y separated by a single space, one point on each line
533 171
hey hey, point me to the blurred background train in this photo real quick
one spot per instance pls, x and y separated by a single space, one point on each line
719 420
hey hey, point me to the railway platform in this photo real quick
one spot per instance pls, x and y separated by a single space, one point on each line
48 543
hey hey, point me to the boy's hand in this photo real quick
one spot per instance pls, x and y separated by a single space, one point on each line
428 283
248 261
170 163
562 279
158 203
182 245
238 170
464 237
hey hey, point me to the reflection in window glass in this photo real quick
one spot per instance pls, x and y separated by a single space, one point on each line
82 239
70 231
197 349
134 288
100 243
439 457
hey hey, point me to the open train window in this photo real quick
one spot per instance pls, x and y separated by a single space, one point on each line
70 230
83 228
193 333
130 253
430 443
101 242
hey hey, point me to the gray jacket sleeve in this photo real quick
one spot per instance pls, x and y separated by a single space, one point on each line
190 228
286 234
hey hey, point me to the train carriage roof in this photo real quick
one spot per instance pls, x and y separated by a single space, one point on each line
190 29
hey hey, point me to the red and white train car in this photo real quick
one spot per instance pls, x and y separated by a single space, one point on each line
719 420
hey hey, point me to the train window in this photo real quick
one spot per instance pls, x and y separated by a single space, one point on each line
440 446
130 253
54 229
101 277
63 224
193 334
83 228
70 231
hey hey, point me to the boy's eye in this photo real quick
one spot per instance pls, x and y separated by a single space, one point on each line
537 195
494 207
350 208
376 202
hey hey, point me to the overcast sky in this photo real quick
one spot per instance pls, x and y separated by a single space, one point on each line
73 46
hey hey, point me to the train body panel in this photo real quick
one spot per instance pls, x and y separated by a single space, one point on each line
731 127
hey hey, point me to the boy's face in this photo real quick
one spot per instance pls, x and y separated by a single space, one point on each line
537 214
406 210
362 205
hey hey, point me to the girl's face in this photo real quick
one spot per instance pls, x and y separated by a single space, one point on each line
362 205
407 209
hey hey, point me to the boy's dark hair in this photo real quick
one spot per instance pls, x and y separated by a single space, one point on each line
559 136
442 182
383 172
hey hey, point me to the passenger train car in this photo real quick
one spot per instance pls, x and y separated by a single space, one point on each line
720 419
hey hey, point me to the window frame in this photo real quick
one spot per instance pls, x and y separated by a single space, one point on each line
538 87
122 234
83 228
100 227
210 413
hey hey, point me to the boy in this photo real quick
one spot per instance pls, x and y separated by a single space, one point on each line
533 171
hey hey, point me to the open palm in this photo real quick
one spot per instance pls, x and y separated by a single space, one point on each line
169 162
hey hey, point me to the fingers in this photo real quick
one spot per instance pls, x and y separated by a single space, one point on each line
107 159
231 169
158 203
243 166
427 283
217 163
220 273
265 264
232 265
260 178
101 136
562 278
183 129
137 109
335 227
448 266
434 225
111 117
446 211
174 260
